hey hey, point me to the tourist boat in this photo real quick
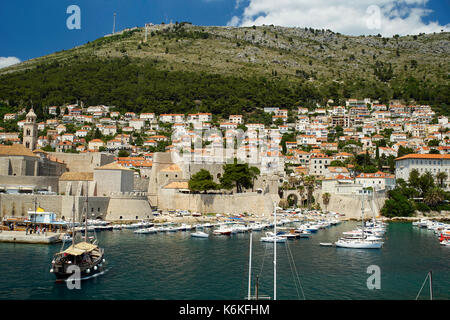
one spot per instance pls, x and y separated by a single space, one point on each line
199 234
87 256
445 243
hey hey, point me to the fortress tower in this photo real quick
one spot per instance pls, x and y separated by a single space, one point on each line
30 131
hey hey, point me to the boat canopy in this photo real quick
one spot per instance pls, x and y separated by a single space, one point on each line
80 248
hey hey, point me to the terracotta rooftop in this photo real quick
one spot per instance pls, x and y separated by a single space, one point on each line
177 185
112 166
16 150
425 156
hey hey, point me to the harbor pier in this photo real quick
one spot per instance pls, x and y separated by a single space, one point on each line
22 237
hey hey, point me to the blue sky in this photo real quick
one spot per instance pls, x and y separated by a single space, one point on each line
31 29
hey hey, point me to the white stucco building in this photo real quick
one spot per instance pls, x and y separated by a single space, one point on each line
433 163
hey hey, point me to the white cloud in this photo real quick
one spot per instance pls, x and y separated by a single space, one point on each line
234 22
387 17
8 61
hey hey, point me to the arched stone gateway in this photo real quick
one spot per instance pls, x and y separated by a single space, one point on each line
293 197
292 200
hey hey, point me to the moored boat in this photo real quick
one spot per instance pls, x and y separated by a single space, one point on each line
199 234
87 256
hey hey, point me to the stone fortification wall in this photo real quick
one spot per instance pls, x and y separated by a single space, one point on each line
251 202
83 162
14 205
129 206
141 184
350 205
39 182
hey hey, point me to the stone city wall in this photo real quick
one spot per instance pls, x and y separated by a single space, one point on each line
15 205
83 162
351 205
251 202
40 182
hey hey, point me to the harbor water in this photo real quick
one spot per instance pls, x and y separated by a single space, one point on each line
176 266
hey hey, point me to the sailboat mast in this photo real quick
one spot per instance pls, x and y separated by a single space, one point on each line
431 285
257 287
73 222
250 266
275 252
362 212
373 205
85 221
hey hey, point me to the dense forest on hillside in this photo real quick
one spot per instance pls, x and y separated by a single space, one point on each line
140 86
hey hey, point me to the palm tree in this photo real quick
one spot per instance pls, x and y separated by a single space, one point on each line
310 182
441 177
326 200
292 181
434 197
301 191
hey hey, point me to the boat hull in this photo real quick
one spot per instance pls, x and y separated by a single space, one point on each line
359 245
89 271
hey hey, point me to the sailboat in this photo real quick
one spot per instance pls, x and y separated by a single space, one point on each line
274 239
360 241
89 257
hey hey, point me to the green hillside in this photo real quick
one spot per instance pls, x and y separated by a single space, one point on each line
224 70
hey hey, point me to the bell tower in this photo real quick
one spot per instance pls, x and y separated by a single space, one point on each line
30 131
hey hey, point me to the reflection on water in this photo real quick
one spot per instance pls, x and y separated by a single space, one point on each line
176 266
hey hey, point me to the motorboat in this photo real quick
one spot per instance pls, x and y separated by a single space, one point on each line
256 227
271 238
199 234
146 230
223 231
185 227
67 237
312 228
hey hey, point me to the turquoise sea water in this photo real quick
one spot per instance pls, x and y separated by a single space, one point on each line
176 266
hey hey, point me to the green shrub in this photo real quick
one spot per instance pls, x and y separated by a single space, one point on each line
420 206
